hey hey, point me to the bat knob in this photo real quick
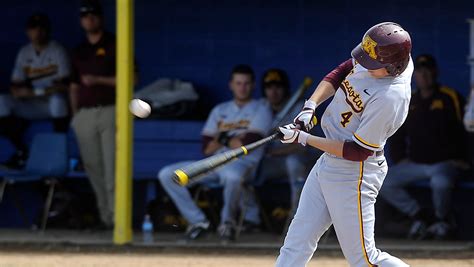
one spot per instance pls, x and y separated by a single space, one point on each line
180 177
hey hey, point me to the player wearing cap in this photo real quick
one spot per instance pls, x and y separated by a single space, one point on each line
231 124
38 85
430 146
371 97
92 97
280 160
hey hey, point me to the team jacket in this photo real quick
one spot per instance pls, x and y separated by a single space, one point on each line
433 131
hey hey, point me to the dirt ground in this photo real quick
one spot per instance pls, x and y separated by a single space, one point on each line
81 259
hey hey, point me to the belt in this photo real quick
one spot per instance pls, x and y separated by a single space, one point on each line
376 154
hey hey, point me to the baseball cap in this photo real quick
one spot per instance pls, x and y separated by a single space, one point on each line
38 20
426 61
91 7
275 76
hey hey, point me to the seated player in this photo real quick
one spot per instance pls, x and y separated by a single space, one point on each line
469 126
231 124
429 146
38 86
283 160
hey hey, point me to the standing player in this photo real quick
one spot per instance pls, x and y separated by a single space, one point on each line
341 189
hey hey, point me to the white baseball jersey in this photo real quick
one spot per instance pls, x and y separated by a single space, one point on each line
343 192
368 110
253 117
43 68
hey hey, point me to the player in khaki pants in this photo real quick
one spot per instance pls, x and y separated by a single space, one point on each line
92 95
95 134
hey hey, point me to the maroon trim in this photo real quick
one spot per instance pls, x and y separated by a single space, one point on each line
354 152
337 75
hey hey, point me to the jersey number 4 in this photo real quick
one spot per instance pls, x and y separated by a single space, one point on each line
346 118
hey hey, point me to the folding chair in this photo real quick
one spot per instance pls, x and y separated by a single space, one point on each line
47 160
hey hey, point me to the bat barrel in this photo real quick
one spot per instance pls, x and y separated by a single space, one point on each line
190 172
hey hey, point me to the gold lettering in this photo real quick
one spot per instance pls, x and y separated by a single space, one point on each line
352 97
241 124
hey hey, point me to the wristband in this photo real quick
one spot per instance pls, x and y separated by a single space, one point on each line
310 104
303 138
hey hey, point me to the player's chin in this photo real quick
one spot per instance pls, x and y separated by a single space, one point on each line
243 96
378 73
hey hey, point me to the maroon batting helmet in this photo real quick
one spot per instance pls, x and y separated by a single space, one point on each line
385 45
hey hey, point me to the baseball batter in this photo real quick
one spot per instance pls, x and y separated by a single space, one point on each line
371 103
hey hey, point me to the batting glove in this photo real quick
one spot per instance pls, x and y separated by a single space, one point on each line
292 135
306 119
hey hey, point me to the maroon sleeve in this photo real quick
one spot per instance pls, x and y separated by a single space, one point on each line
337 75
250 138
354 152
205 140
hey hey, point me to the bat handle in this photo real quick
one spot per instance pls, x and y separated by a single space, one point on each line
278 134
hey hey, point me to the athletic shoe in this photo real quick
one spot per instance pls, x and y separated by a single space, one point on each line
417 230
194 231
439 230
226 231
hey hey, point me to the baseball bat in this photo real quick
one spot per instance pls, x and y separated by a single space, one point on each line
292 101
192 171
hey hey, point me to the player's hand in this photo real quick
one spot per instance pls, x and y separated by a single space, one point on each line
292 135
22 92
224 138
89 80
306 119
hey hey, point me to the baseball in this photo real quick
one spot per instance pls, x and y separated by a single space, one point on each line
140 108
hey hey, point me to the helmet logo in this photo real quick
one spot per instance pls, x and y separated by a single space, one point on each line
369 46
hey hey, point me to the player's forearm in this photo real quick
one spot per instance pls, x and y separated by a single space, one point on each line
16 85
57 87
323 91
74 97
330 146
211 147
106 80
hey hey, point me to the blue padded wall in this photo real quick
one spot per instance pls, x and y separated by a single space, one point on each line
200 41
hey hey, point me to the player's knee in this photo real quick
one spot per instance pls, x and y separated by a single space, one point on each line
165 175
57 106
441 183
232 180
